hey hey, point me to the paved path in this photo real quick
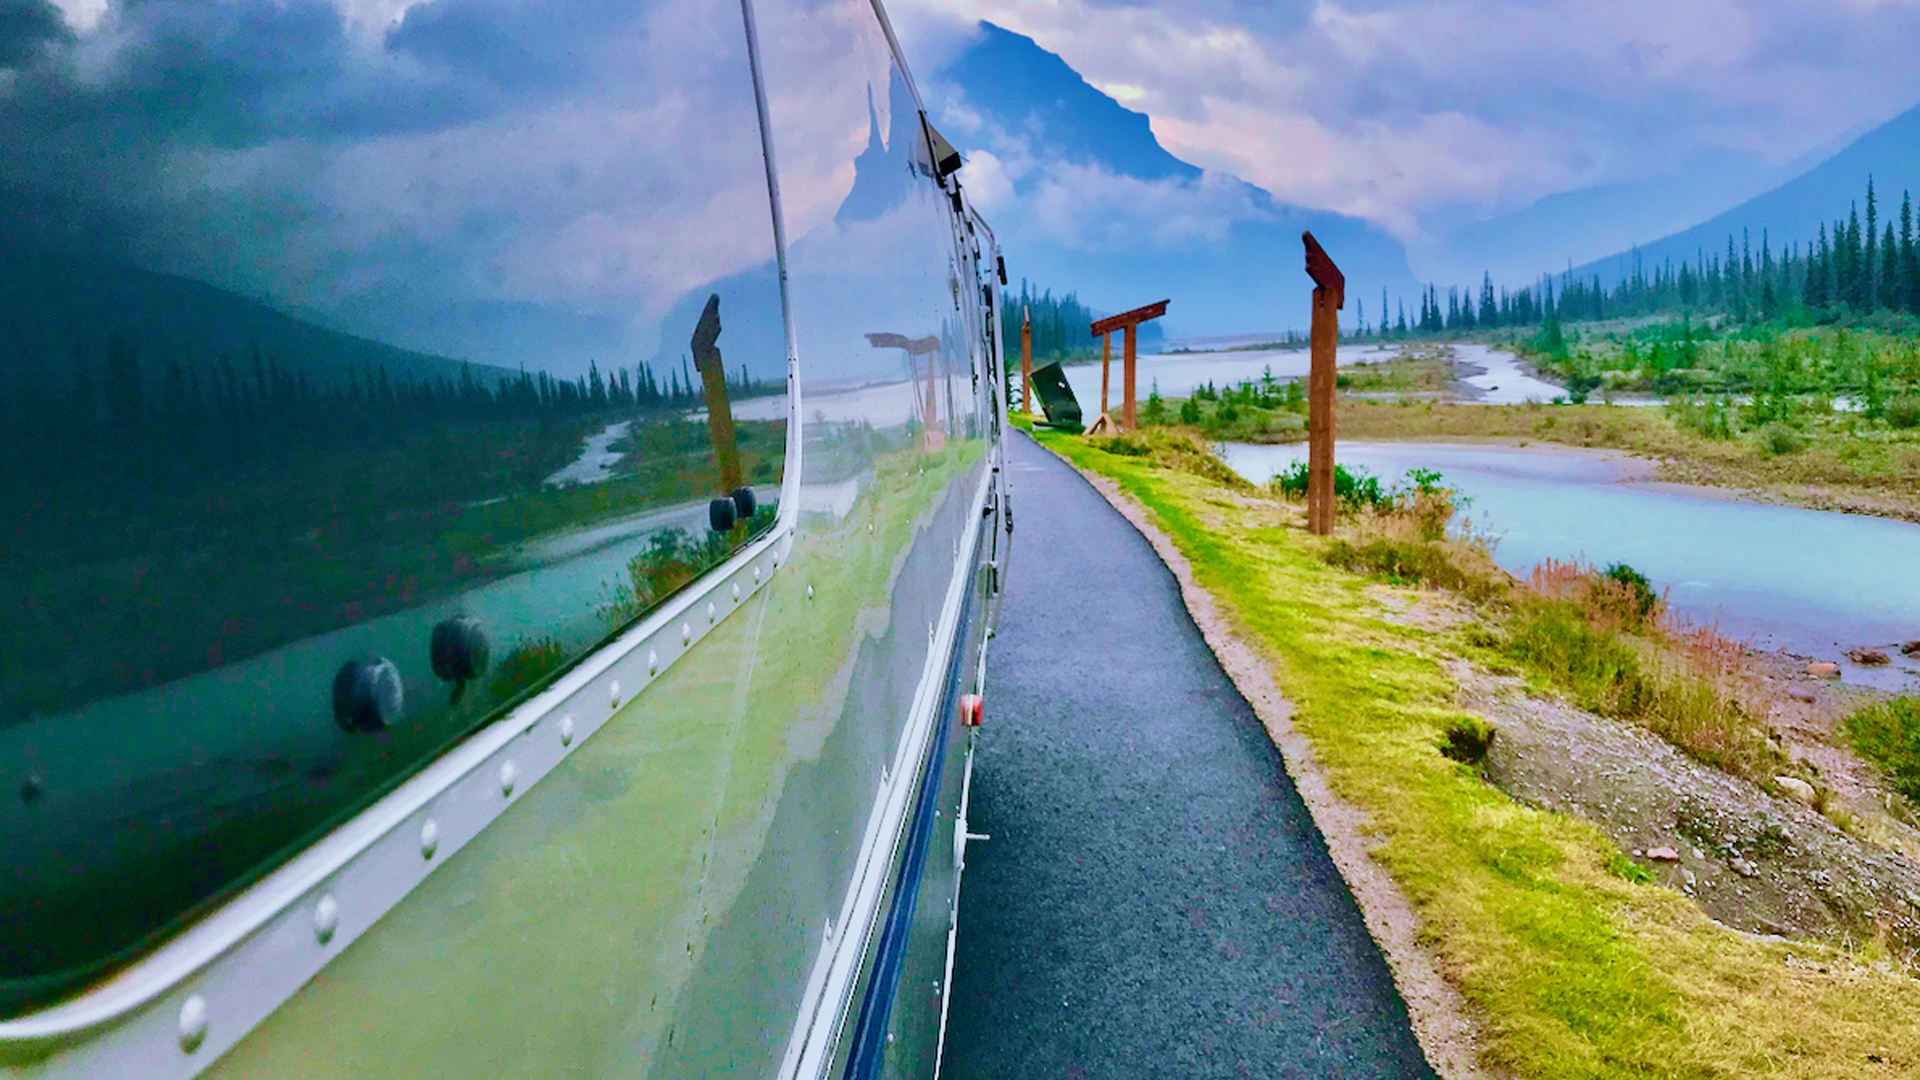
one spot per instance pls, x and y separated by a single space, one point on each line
1155 900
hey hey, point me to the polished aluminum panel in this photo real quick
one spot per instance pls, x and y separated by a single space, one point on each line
728 866
361 374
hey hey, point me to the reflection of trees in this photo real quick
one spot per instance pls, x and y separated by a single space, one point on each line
160 516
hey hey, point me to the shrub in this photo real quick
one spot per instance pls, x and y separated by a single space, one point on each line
524 667
1638 591
1155 411
1467 740
1777 438
1190 412
1356 488
1124 446
1415 562
1888 734
1904 411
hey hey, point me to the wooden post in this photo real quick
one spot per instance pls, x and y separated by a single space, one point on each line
1329 295
1127 323
1026 360
706 357
924 400
1106 358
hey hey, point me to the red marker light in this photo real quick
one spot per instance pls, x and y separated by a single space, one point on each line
973 709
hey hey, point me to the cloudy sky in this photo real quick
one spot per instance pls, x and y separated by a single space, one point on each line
1420 115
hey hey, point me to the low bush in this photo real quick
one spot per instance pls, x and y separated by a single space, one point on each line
1418 562
524 667
1602 639
1356 488
1467 740
1904 411
1779 439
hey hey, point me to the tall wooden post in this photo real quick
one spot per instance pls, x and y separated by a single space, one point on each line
1026 360
1126 379
706 357
1106 359
1329 296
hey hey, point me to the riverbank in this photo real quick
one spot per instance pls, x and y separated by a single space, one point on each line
1828 468
1580 948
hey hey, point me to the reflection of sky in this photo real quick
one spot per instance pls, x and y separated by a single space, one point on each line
1813 582
1177 375
488 179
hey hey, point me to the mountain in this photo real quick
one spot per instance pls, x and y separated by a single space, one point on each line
1794 211
52 305
1084 198
1588 223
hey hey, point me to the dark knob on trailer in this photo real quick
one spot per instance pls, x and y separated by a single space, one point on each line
367 695
721 514
742 504
459 649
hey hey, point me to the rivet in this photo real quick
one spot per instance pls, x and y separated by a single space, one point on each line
756 571
508 774
869 526
193 1023
653 662
429 839
711 610
736 592
326 918
686 633
809 592
566 730
613 693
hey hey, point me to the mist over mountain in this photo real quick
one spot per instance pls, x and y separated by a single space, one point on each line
1579 226
1794 211
1083 197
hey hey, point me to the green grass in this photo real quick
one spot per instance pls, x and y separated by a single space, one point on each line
1577 970
1888 734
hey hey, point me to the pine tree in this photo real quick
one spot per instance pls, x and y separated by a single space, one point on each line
1850 277
1909 257
1869 264
1886 293
1818 292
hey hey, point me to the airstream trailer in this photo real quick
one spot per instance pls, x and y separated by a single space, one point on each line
502 512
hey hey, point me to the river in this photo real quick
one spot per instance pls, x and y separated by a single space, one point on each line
1804 581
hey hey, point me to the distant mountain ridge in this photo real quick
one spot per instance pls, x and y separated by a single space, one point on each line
1225 251
51 306
1794 211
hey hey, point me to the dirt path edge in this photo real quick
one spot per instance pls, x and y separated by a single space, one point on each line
1447 1027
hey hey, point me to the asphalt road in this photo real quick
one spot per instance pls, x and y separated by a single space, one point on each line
1155 899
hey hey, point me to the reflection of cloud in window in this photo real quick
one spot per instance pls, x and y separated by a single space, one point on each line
590 161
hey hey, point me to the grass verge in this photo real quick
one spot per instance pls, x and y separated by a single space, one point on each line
1579 970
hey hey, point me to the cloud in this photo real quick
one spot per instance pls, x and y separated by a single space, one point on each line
1400 111
383 161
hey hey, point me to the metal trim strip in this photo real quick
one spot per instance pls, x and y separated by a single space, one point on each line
868 1051
837 967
